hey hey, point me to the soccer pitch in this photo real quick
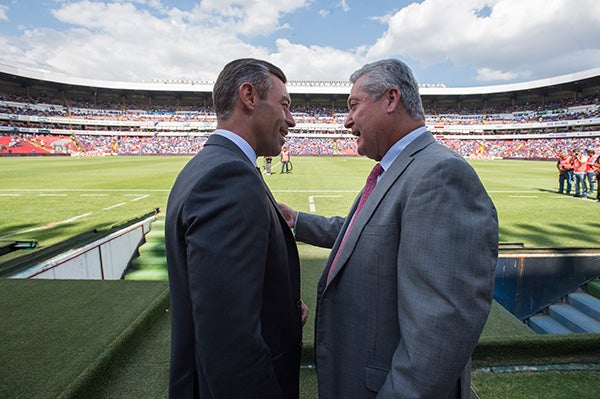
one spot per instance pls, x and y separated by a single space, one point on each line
50 199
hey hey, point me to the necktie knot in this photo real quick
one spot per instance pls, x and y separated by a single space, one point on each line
369 185
372 178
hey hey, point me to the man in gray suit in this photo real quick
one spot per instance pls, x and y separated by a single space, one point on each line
408 286
236 314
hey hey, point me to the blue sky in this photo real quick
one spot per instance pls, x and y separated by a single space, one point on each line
456 43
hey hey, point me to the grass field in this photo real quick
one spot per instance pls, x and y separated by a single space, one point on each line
50 199
53 199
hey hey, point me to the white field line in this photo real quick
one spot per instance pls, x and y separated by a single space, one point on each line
311 201
315 191
82 190
49 225
53 224
514 191
138 197
356 191
114 206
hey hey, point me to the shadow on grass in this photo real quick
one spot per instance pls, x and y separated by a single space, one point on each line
551 235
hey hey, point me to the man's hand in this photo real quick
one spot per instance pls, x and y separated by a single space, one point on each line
304 313
288 214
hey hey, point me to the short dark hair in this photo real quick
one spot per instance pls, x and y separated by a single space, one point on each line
234 74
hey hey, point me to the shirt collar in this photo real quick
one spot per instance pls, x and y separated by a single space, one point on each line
395 150
240 142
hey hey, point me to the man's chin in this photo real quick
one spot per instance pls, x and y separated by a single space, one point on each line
275 151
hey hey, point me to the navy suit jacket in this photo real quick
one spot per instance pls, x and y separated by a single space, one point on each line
234 282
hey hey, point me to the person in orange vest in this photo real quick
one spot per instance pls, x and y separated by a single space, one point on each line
590 174
596 168
565 173
579 169
285 160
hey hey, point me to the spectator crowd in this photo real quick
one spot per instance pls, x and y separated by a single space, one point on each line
44 126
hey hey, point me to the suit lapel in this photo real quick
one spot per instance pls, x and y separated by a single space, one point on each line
287 229
383 186
215 139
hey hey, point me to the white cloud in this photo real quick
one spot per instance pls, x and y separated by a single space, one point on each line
487 74
344 5
122 41
141 40
3 10
517 38
247 17
302 62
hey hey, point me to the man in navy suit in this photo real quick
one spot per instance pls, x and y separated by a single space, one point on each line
232 259
408 285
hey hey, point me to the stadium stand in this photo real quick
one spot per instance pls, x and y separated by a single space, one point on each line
535 120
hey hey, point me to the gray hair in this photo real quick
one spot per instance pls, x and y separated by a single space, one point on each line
234 74
382 75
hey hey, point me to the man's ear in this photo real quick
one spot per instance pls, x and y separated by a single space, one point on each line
392 98
248 95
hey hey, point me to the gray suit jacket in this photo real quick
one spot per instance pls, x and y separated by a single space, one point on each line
234 282
412 289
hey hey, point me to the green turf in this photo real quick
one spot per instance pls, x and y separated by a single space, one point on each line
523 192
151 264
62 197
542 385
593 288
103 339
57 337
56 198
501 323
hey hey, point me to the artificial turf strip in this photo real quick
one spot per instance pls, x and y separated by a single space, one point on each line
537 350
143 372
56 336
151 264
506 341
553 384
501 323
110 339
593 288
140 372
89 339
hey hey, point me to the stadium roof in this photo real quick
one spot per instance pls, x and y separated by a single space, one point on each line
573 85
